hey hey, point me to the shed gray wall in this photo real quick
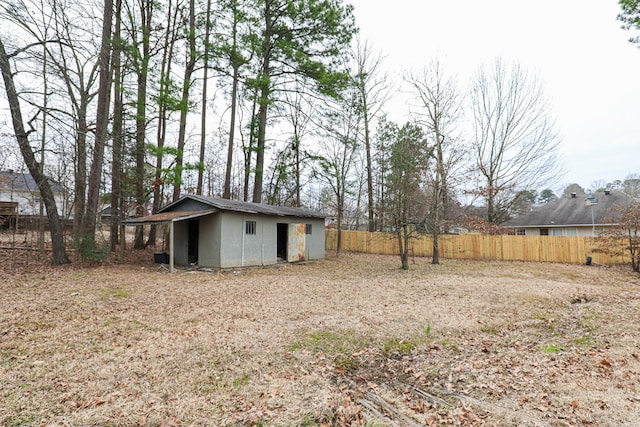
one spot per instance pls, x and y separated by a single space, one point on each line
315 241
223 242
209 241
181 246
239 249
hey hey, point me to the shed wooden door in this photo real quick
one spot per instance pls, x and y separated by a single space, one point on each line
296 243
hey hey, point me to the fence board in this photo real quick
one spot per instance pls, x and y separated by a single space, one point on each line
571 250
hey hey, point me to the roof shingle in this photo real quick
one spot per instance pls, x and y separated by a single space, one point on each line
572 211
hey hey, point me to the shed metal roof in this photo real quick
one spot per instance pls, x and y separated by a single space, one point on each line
167 217
240 206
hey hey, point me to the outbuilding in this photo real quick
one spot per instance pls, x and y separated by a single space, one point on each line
220 233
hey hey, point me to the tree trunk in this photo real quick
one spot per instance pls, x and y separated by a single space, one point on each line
405 252
55 225
232 127
141 117
367 147
116 160
265 94
203 114
248 151
80 181
260 145
186 87
165 72
102 122
226 194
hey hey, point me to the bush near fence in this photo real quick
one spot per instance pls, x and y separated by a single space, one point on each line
573 250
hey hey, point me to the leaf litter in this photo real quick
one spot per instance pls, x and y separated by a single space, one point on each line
345 341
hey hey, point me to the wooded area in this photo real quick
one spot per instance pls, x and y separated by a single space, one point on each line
132 104
572 250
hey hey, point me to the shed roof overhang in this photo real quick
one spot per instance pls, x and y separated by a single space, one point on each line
169 218
166 217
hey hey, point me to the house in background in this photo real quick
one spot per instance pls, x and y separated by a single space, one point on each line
220 233
22 188
577 215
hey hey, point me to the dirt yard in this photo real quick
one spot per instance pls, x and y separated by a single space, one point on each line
346 341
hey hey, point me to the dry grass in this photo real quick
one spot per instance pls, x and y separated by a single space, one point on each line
347 341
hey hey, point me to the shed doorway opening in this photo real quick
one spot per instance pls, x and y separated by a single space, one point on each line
291 242
194 232
281 244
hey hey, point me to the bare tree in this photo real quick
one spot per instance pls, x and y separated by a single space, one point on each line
285 187
631 185
439 105
35 169
624 227
337 154
117 205
374 89
233 53
515 143
140 51
74 70
102 121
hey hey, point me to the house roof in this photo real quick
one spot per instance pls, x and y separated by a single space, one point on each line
202 202
10 180
572 211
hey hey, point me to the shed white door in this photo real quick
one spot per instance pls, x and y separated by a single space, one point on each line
296 242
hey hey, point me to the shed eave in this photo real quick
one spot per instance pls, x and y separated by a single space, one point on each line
166 217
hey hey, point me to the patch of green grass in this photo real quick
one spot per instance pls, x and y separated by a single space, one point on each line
218 383
552 348
397 345
116 293
5 358
375 423
240 381
489 329
448 343
339 346
308 422
346 362
547 317
20 420
427 330
332 343
588 321
585 341
545 322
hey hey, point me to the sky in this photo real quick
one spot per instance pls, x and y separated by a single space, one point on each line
591 73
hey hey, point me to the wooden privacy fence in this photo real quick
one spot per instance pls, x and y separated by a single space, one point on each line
489 247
